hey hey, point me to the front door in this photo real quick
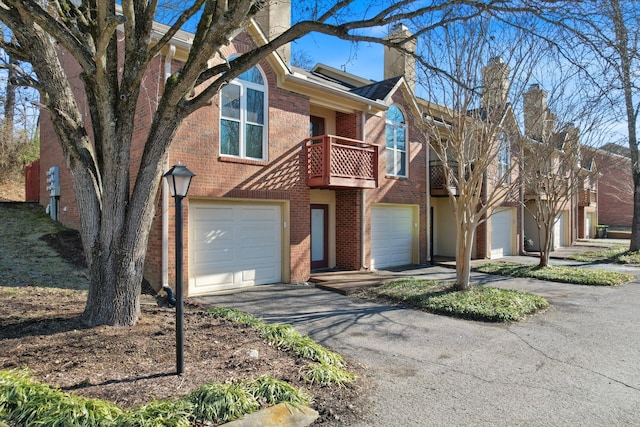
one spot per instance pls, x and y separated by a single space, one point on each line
319 236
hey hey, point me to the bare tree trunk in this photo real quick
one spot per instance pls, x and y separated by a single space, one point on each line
7 142
545 248
465 238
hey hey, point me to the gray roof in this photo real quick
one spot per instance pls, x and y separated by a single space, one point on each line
378 90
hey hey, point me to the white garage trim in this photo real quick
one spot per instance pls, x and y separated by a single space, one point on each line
234 245
394 235
559 231
502 233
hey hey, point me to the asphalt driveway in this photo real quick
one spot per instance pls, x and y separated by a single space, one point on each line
578 363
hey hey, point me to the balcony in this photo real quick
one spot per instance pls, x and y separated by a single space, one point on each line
337 162
587 197
439 183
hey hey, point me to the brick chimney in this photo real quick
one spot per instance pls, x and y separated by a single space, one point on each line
397 63
274 19
539 122
495 83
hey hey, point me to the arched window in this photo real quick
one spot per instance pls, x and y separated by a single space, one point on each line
396 147
243 113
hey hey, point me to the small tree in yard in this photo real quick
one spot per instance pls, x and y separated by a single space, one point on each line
553 165
474 132
549 182
113 44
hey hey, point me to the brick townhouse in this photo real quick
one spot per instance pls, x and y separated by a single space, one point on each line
296 171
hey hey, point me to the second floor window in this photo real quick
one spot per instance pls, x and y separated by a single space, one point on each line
243 109
396 147
504 158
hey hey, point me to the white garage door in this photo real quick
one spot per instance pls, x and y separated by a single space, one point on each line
233 245
558 232
391 236
501 233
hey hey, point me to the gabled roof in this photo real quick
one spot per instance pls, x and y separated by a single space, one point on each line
378 90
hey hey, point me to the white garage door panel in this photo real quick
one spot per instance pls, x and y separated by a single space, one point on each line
501 233
391 236
558 231
234 245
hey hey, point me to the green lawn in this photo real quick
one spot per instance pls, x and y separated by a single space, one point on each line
557 273
613 255
480 303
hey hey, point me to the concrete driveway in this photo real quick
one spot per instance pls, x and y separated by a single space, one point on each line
577 364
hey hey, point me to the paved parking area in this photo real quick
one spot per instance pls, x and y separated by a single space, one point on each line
578 363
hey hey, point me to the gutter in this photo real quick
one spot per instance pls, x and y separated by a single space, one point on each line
165 188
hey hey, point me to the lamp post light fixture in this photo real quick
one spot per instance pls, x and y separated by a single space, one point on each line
179 178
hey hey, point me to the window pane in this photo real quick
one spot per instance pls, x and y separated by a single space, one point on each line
229 137
253 75
254 141
231 101
390 135
400 138
394 115
255 106
390 162
402 162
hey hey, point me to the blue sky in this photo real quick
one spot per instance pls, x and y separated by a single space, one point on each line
361 59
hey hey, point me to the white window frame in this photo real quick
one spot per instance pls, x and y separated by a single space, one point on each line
504 160
243 121
395 126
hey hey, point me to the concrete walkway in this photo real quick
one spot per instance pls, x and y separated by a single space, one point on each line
575 364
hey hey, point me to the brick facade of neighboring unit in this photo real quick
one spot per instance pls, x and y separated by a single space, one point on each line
615 189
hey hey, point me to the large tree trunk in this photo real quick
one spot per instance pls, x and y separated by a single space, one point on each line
114 293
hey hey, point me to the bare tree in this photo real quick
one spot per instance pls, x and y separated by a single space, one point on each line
550 165
473 130
19 121
602 37
116 209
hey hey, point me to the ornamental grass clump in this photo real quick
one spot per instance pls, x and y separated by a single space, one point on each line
274 391
326 375
25 401
222 402
328 371
160 413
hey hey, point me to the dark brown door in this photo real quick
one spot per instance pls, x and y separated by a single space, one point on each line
319 236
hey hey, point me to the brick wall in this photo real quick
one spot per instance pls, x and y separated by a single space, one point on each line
410 190
280 178
348 229
615 190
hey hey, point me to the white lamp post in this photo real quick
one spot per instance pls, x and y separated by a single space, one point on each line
179 178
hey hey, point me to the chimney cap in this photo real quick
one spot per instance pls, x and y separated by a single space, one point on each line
398 28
